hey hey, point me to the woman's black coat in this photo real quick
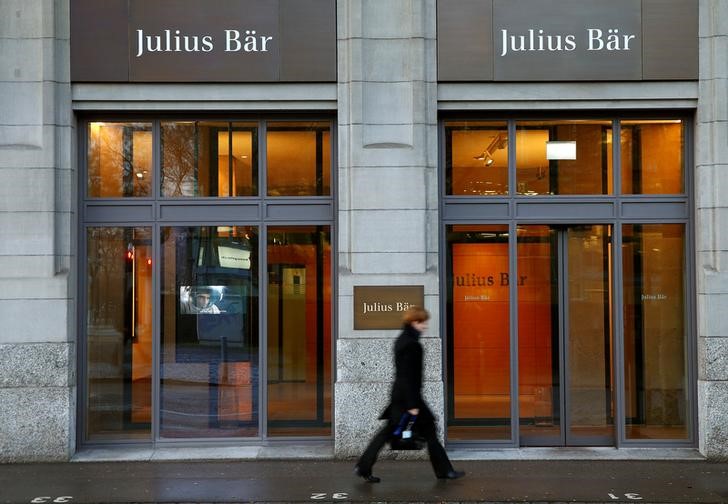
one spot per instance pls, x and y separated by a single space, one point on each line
407 387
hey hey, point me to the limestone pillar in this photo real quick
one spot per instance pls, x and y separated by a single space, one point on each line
711 195
387 214
37 351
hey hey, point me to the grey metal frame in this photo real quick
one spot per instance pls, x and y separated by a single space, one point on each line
156 212
615 210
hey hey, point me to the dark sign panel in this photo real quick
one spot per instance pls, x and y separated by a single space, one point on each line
382 306
563 40
203 41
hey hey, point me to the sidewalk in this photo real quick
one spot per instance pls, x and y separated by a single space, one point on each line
562 476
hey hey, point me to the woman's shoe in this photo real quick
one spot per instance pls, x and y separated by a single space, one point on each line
367 477
453 475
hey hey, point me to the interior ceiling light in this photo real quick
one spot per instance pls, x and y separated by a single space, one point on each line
561 150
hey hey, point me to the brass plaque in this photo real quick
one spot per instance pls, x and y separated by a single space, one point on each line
382 306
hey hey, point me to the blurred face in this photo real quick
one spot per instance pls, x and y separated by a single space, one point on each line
202 300
420 326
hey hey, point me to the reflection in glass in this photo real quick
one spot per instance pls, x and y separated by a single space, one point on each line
209 356
119 329
209 159
539 382
652 157
590 171
589 339
119 159
299 158
478 333
655 365
476 158
564 302
299 331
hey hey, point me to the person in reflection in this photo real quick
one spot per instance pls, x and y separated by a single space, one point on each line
200 302
406 398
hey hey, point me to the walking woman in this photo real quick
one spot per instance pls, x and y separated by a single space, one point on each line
407 398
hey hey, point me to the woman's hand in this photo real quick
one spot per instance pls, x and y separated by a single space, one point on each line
414 411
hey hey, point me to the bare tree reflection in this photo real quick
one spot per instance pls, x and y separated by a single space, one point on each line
178 159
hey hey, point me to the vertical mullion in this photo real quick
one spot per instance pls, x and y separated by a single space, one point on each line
156 284
563 332
512 173
513 286
618 320
156 331
230 160
513 328
263 332
262 160
617 159
81 307
617 288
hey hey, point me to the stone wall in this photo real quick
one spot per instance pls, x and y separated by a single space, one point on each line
387 214
37 353
712 230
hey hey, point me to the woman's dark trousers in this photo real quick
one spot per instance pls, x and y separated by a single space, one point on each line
438 457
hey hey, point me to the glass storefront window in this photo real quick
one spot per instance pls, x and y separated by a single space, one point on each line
652 157
209 332
563 198
209 159
298 158
177 354
565 342
478 315
564 157
119 333
119 159
655 357
299 331
477 158
539 376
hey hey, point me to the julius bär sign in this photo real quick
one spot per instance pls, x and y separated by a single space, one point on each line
382 306
562 40
203 40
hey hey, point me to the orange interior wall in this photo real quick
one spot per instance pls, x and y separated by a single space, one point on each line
481 340
306 255
481 362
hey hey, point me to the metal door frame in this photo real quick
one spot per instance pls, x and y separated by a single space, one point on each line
616 210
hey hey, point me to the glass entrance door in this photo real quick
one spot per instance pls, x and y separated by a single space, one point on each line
565 335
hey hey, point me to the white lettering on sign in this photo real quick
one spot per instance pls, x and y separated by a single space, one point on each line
537 40
248 44
378 307
612 41
174 41
653 297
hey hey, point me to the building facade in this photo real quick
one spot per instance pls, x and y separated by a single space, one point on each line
213 215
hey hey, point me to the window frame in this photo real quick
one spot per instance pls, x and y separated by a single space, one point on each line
614 209
155 211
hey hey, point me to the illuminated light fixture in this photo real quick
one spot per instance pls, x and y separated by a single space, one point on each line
500 141
561 150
